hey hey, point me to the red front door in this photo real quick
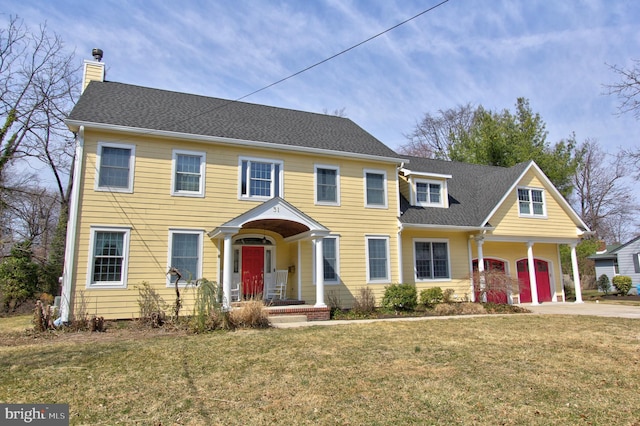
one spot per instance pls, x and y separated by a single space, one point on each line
542 280
252 271
495 288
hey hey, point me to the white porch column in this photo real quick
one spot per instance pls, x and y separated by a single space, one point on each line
472 289
227 276
533 283
483 283
299 270
576 274
319 274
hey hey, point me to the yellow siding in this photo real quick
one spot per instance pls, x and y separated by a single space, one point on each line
557 224
93 71
458 259
151 211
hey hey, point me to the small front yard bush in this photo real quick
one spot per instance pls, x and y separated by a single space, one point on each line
431 296
400 297
622 283
365 302
604 284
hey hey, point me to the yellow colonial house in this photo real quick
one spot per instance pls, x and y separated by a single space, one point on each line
288 205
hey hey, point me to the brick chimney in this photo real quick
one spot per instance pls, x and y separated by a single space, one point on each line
93 70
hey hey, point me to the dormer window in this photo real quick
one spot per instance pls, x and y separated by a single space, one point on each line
429 193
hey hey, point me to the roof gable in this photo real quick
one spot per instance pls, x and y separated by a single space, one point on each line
125 106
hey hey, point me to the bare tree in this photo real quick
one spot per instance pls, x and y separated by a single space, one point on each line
434 136
627 89
604 201
38 85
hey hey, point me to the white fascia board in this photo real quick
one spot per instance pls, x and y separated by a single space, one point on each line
74 124
550 186
532 239
409 172
445 227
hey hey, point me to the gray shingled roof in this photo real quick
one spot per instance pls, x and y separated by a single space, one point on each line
145 108
474 190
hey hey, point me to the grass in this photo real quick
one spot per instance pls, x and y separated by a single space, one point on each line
15 324
515 369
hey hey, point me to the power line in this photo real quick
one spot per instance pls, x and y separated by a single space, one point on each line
321 62
343 52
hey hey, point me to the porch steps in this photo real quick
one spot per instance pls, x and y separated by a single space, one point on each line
281 319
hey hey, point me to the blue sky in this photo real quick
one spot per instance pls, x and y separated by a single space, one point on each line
484 52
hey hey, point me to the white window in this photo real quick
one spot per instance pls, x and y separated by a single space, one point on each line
188 171
429 193
531 202
327 185
330 260
260 178
378 265
431 259
108 258
375 188
115 167
185 255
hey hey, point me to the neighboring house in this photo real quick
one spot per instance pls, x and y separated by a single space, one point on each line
240 193
619 259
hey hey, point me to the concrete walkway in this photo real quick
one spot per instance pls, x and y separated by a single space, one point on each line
587 308
549 308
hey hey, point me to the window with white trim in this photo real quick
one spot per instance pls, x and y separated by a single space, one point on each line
327 185
115 167
330 260
108 258
378 265
185 254
375 188
188 171
431 259
260 178
531 202
429 193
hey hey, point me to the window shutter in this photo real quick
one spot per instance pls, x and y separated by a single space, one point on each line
636 262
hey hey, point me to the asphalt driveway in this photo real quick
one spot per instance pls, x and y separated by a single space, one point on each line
587 308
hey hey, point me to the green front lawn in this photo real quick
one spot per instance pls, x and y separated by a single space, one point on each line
515 369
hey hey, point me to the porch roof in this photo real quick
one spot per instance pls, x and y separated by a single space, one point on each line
276 215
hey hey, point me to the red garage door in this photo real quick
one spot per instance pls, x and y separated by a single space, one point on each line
542 280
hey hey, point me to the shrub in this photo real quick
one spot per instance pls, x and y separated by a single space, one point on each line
251 314
604 284
569 289
431 296
207 310
464 308
334 303
152 306
622 283
18 277
365 302
447 295
400 297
